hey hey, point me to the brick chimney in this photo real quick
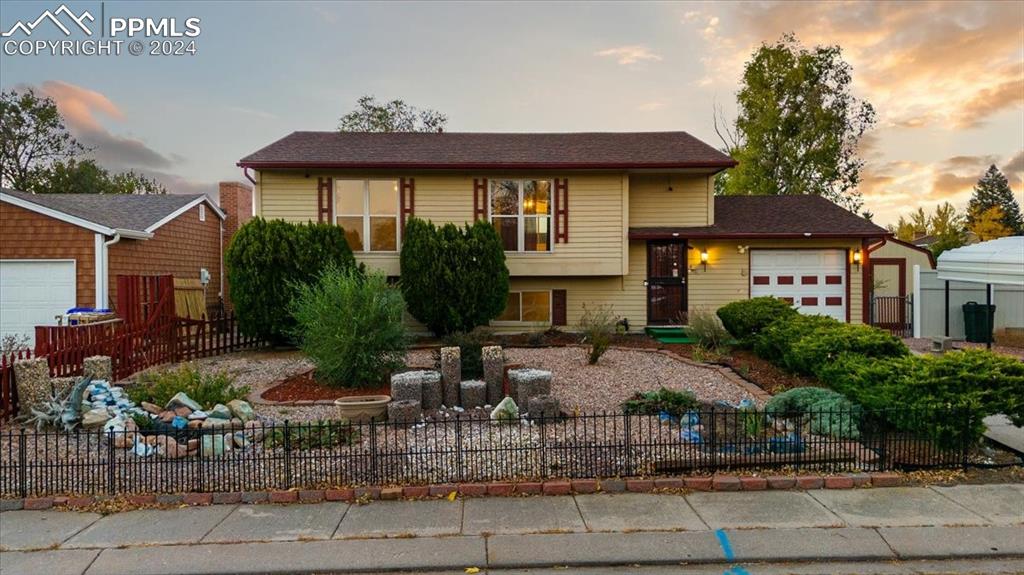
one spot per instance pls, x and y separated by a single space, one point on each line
236 203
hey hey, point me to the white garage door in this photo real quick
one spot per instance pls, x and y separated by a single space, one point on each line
32 292
814 281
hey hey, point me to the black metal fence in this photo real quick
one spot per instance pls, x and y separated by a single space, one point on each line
472 448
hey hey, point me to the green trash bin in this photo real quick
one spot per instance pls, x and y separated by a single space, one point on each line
978 321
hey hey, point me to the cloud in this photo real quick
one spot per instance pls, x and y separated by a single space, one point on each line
1015 167
652 106
945 64
82 109
628 55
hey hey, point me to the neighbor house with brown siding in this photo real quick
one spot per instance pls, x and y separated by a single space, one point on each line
59 251
624 219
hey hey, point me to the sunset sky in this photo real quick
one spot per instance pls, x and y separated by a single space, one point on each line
946 79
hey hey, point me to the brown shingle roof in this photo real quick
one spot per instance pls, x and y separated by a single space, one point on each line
117 211
772 216
465 150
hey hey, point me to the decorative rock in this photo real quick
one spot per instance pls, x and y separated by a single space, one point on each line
181 398
474 393
432 389
254 429
124 440
407 386
544 406
32 377
404 411
95 418
170 448
242 410
506 411
98 367
179 422
167 416
215 423
198 415
195 423
151 408
215 444
451 374
182 411
240 440
220 411
529 383
494 372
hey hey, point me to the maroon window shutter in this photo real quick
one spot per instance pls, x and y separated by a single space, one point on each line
479 199
324 199
561 210
406 199
558 312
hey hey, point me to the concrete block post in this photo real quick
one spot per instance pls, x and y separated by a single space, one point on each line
407 386
433 394
98 367
32 376
494 372
451 374
474 394
529 383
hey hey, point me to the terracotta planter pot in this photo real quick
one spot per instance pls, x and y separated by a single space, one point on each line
363 407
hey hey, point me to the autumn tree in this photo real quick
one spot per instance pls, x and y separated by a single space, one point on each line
946 224
993 190
393 116
988 224
798 125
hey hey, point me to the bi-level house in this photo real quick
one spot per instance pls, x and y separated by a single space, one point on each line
626 219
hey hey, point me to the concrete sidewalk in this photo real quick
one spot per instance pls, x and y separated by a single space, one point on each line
726 530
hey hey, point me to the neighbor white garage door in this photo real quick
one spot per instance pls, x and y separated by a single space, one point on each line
814 281
32 292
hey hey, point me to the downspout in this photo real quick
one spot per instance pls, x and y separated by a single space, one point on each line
220 263
106 267
245 172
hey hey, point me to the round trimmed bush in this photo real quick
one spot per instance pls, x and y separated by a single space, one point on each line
745 319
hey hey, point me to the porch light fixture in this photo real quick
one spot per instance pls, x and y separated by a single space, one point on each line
856 258
704 258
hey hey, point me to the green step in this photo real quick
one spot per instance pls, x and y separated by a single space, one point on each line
669 334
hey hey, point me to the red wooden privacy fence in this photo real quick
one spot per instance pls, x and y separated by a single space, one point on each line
146 333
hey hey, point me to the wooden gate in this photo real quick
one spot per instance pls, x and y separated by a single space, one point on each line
894 314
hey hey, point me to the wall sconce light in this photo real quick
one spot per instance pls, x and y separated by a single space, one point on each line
856 258
704 258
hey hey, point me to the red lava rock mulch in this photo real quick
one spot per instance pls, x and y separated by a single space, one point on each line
303 387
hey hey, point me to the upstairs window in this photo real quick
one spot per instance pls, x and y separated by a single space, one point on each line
368 212
520 211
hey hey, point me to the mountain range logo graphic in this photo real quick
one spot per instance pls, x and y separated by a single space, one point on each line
54 16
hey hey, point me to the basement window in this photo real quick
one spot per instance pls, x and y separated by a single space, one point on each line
526 307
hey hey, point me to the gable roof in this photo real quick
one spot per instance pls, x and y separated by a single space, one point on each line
772 216
908 245
471 150
137 215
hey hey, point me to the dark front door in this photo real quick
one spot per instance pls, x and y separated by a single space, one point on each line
666 282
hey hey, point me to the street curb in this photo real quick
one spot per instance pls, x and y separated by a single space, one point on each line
718 482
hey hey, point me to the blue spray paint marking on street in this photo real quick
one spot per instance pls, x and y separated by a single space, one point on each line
723 540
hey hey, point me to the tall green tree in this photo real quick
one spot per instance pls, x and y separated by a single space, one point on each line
393 116
993 190
38 154
798 125
453 279
32 139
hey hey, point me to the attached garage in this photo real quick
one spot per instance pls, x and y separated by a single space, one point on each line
813 280
32 292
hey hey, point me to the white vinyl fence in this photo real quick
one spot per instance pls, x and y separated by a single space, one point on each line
930 302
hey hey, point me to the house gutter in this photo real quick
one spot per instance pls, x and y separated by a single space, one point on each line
102 271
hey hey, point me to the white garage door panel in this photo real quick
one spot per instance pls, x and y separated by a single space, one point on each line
32 292
814 281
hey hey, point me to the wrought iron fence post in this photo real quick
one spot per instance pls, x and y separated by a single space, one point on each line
23 465
713 436
373 452
883 422
111 474
628 429
287 455
458 449
543 449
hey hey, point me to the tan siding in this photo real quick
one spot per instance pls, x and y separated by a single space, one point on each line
25 235
913 257
651 204
728 275
596 222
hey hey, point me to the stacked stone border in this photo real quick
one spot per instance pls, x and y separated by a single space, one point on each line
719 482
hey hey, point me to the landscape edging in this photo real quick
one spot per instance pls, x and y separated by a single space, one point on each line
718 482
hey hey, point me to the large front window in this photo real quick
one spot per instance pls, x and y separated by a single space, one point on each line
527 306
521 212
368 212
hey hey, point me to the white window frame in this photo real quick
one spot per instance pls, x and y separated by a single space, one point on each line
521 217
520 322
366 215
